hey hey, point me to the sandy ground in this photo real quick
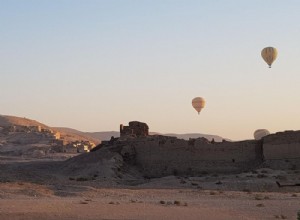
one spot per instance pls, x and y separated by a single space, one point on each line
32 190
29 201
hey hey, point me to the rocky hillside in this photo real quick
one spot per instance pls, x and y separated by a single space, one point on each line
68 135
30 138
6 120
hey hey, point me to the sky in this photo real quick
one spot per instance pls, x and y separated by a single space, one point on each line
92 65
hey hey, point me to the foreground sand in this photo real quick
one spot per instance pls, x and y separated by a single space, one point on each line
32 201
34 190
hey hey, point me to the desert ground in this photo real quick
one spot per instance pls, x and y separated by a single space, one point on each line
33 188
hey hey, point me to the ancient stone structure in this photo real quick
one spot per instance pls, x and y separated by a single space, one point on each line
161 156
135 129
157 155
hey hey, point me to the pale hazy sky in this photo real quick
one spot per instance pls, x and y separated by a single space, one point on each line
91 65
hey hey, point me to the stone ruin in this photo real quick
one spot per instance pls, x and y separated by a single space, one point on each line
157 155
135 129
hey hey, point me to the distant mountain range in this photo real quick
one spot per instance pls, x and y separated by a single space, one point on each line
99 136
198 135
96 137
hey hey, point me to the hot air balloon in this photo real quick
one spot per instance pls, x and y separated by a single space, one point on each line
198 104
269 54
260 133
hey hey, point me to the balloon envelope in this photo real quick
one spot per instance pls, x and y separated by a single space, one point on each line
269 54
260 133
198 103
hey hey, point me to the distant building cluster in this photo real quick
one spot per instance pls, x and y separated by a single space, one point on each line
29 129
78 147
54 137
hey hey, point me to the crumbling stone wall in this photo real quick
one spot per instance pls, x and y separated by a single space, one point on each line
282 145
161 156
157 156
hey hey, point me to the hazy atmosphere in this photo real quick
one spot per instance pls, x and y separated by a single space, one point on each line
149 109
91 65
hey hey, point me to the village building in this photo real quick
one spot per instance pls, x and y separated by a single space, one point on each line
56 135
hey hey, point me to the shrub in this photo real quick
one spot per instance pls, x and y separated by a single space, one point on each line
280 217
212 193
176 202
261 175
182 181
175 172
82 179
83 202
258 197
